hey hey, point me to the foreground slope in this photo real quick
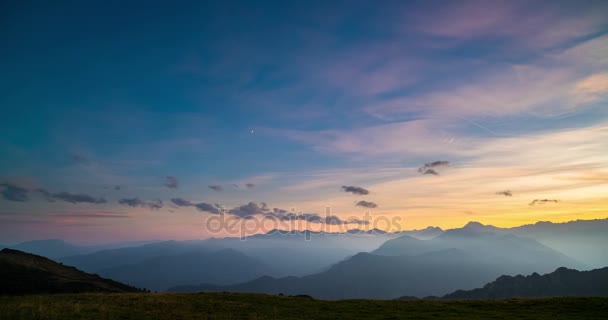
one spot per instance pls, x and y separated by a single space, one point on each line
254 306
25 273
560 283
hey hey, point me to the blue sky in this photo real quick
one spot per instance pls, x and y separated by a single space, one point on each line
300 98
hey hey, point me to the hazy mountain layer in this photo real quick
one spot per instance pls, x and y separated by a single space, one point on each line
225 266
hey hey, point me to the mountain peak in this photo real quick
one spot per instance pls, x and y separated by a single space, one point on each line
474 225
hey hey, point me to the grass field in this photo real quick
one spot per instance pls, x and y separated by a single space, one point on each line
151 306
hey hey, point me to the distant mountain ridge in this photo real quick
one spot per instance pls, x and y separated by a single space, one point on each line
563 282
26 273
225 266
365 275
457 259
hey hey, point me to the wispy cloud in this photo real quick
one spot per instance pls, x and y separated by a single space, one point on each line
431 167
506 193
591 89
216 187
74 198
92 214
136 202
13 192
429 171
543 201
201 206
366 204
207 207
355 190
181 202
170 182
80 159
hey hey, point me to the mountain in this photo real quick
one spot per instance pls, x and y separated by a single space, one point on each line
25 273
52 248
562 282
489 245
289 253
456 259
57 248
424 234
221 267
582 239
379 277
105 259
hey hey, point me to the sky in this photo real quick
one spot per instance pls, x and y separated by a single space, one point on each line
131 121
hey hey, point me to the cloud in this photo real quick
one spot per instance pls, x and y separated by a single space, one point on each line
79 159
73 198
506 193
355 190
591 89
430 171
117 188
46 194
358 221
334 220
182 202
366 204
136 202
91 214
542 201
250 185
202 206
207 207
284 215
433 166
248 210
13 192
251 209
155 205
474 19
171 182
216 187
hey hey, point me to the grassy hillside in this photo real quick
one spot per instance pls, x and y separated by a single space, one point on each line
25 273
256 306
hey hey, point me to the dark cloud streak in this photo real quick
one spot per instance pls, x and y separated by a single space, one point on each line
506 193
216 187
171 182
366 204
542 201
355 190
13 192
136 202
431 167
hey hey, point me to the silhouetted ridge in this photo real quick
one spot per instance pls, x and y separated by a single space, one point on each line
560 283
26 273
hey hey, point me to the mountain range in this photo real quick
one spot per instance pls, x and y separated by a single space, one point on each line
353 264
225 266
457 259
